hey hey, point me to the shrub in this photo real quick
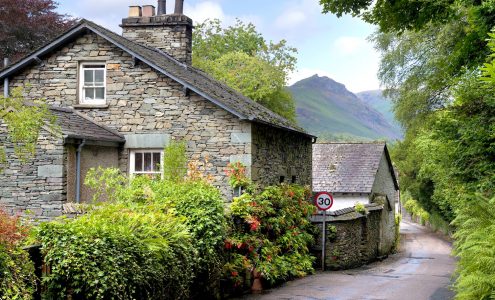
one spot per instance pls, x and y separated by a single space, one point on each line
415 209
17 279
118 251
360 208
271 234
398 219
475 247
174 161
195 200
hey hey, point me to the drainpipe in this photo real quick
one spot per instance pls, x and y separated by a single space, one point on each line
78 171
6 80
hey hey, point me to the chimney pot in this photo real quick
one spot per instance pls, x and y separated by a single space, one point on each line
179 7
148 11
135 11
162 7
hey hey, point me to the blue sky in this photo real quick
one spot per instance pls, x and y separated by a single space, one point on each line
327 45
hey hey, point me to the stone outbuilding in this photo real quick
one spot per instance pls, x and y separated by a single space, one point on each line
120 99
359 172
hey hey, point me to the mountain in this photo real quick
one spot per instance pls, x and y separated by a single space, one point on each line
379 102
327 109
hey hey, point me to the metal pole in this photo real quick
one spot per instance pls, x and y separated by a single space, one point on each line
6 80
324 240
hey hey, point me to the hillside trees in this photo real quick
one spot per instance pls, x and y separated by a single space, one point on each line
240 57
36 23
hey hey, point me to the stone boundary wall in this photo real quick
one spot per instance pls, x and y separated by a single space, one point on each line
352 239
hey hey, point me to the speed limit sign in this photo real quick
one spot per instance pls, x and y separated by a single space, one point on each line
324 200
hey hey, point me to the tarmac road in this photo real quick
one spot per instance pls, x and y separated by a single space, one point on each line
421 270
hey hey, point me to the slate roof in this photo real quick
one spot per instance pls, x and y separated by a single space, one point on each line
77 126
192 78
348 167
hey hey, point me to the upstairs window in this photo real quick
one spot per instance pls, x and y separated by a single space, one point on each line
146 162
93 83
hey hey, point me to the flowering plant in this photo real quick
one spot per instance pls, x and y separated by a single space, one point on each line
270 233
237 175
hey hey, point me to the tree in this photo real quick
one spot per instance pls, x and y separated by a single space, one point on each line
36 23
240 57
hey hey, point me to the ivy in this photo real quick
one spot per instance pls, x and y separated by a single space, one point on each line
24 122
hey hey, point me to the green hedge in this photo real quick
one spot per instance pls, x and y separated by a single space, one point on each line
118 251
152 239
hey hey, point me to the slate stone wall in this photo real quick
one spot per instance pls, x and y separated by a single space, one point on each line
278 153
142 101
384 184
38 185
352 239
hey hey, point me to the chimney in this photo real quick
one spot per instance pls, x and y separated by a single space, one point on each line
170 33
179 7
162 7
148 11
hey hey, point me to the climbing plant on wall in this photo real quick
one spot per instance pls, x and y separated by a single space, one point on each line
23 122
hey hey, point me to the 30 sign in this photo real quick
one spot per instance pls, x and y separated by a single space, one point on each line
323 200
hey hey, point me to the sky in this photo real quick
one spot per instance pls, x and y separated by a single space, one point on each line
327 45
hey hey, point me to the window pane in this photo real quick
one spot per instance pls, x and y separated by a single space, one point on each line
156 162
100 93
99 76
88 77
147 162
89 93
138 162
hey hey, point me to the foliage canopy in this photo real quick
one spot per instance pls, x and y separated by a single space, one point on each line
240 57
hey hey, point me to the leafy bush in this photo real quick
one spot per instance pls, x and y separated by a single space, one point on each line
270 233
118 251
17 280
174 161
195 200
416 210
398 219
475 247
360 208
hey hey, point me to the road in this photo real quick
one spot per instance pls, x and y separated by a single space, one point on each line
421 270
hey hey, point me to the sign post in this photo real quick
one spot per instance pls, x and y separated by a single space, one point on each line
324 202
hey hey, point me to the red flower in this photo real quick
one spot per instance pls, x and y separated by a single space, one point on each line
228 245
269 258
234 274
291 194
251 248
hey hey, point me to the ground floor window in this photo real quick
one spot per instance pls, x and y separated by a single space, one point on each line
146 162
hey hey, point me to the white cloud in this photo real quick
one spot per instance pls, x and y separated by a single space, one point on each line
290 19
348 45
205 10
296 14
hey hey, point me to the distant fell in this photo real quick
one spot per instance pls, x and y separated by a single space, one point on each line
379 102
327 109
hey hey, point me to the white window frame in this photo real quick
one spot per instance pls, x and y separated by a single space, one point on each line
82 94
132 162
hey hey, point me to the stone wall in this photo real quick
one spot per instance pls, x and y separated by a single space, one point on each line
169 33
38 185
384 185
278 153
142 101
352 239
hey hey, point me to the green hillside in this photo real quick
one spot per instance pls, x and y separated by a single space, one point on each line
327 109
383 105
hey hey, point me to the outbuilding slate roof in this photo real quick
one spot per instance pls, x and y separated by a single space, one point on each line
77 126
348 167
192 78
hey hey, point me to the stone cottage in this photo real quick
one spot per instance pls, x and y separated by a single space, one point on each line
120 99
359 172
